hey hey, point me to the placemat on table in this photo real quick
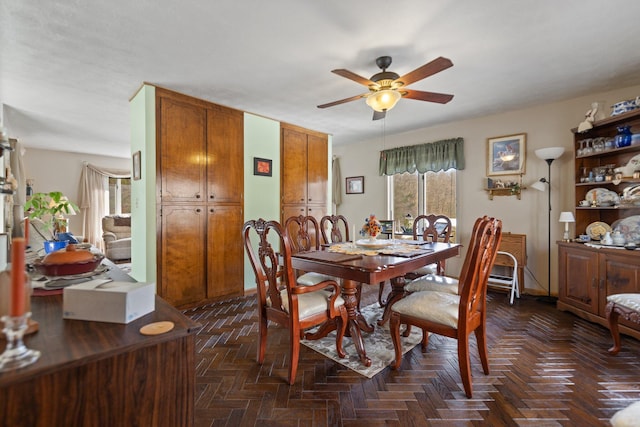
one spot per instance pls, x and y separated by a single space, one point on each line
328 256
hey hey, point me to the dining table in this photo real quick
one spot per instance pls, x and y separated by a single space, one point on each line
371 264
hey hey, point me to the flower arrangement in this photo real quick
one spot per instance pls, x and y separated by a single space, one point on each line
371 227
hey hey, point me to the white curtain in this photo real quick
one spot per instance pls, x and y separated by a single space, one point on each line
93 199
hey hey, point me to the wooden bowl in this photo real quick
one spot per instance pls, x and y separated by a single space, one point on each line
70 268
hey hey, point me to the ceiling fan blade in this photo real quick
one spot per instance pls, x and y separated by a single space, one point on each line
426 70
342 101
353 76
440 98
377 115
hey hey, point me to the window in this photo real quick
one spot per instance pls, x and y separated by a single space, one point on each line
119 196
413 194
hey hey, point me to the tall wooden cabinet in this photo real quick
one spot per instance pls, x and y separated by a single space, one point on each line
304 172
587 275
200 199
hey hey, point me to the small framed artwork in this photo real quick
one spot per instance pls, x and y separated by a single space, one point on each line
355 185
506 155
262 166
137 172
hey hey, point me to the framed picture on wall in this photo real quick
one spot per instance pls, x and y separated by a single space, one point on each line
262 166
506 155
136 166
355 185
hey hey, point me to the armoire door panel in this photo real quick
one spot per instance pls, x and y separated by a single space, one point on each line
224 251
317 169
225 155
183 257
182 151
294 167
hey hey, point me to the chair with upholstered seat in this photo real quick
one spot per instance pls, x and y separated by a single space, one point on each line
334 229
428 228
304 235
626 306
281 299
450 315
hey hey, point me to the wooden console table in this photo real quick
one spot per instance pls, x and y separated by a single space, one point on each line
102 374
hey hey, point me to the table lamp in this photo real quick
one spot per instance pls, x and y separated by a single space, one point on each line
566 217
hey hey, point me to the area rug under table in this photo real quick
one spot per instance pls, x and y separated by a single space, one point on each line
378 345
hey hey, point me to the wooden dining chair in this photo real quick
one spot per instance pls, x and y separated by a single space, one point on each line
428 228
334 229
304 235
455 316
281 299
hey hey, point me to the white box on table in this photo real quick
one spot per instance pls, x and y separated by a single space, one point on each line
102 301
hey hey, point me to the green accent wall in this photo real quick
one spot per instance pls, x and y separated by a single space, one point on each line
143 191
261 193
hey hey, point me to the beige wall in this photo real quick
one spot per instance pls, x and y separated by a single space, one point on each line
546 126
60 171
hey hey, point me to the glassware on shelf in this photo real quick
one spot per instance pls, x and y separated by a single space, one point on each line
588 149
623 138
580 150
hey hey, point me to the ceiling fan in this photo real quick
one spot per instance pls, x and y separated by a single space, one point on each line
387 87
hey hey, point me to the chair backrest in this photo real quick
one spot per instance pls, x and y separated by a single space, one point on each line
338 226
474 275
272 268
303 233
432 228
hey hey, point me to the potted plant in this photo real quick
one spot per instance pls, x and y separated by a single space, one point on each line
50 208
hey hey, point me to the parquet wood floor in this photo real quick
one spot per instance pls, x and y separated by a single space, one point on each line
548 368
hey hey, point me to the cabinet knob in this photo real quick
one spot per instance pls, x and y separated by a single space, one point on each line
212 210
197 196
198 210
212 196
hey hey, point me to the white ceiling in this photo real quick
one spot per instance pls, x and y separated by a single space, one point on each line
68 68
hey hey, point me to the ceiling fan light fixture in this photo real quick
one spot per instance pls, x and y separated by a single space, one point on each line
383 100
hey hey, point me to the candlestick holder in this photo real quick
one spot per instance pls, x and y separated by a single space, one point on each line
16 355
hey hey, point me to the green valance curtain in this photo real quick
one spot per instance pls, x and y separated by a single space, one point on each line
432 156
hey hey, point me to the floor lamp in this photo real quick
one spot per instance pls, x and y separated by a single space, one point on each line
548 155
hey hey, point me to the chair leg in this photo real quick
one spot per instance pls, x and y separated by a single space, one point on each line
465 364
262 334
394 330
295 353
481 339
612 318
341 330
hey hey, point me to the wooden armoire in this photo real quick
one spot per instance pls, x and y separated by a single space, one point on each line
199 199
304 172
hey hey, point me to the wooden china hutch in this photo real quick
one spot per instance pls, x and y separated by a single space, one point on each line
587 275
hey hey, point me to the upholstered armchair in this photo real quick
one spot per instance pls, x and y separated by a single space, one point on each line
116 233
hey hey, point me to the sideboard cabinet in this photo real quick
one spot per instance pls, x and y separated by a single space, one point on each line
587 275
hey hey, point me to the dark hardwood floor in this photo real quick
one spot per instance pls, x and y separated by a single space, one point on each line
548 368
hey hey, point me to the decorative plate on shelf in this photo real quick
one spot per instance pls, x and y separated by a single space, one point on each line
603 196
597 229
629 227
374 244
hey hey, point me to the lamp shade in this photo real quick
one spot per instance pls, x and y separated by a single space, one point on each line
383 100
566 217
539 185
550 153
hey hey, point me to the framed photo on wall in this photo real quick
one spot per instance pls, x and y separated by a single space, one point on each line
262 166
355 185
506 155
137 173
